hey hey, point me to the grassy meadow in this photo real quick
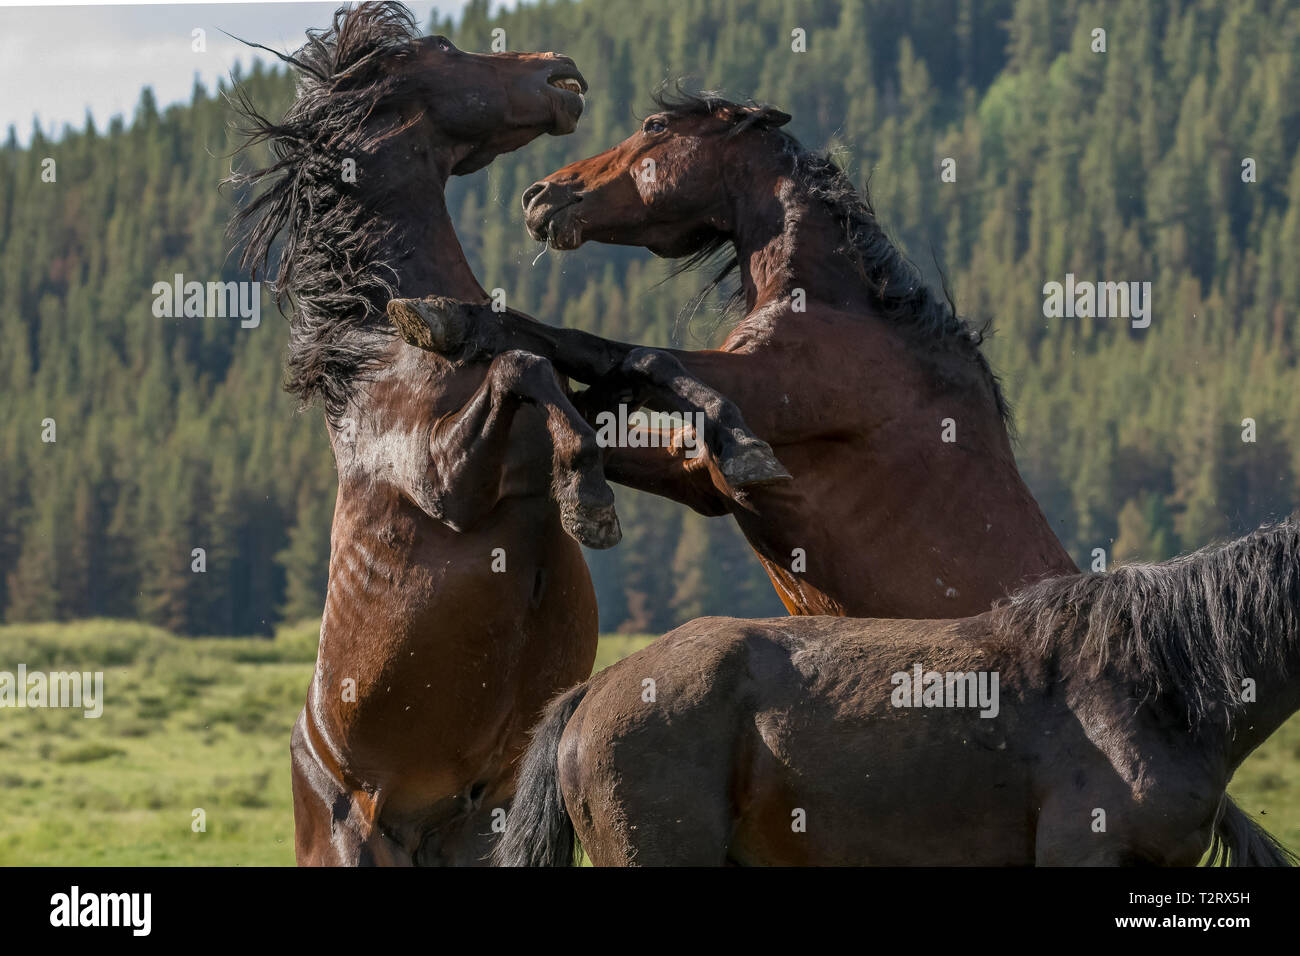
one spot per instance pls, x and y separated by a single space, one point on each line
204 723
188 723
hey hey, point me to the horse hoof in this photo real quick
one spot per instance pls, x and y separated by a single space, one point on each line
434 323
753 464
596 527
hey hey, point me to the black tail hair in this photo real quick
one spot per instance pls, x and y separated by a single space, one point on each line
538 829
1240 841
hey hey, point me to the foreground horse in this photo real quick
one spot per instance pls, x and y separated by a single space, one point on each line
457 604
1089 720
872 392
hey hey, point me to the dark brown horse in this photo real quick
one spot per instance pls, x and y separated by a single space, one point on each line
872 392
1090 720
457 604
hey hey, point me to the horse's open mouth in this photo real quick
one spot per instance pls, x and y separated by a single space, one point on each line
572 84
572 89
570 99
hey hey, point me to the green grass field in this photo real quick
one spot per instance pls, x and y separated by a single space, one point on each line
205 724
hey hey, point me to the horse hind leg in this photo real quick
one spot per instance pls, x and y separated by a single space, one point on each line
632 812
658 823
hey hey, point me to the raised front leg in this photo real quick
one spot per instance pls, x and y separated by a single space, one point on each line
617 372
468 449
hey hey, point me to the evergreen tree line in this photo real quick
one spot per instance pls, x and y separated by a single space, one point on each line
173 434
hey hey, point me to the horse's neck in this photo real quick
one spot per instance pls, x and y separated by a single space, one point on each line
380 436
784 241
429 257
787 241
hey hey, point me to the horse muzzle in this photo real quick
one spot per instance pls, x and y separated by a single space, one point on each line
551 213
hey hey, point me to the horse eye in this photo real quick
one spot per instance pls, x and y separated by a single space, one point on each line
655 126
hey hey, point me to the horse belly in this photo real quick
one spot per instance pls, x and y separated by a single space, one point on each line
877 793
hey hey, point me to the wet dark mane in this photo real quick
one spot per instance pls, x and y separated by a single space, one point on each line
1194 626
333 265
897 290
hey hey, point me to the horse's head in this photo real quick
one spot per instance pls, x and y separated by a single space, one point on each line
664 187
381 118
482 105
371 76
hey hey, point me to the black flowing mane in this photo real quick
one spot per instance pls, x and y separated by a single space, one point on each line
1194 626
897 290
333 265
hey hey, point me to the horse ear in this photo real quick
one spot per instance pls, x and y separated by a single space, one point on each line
773 118
763 117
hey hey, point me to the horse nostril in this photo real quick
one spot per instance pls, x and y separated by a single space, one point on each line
532 192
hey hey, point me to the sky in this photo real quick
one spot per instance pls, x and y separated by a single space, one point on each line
58 61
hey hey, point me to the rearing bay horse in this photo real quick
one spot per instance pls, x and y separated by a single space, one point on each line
457 603
1092 719
844 362
872 392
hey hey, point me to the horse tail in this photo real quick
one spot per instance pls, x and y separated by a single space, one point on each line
1240 841
538 829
